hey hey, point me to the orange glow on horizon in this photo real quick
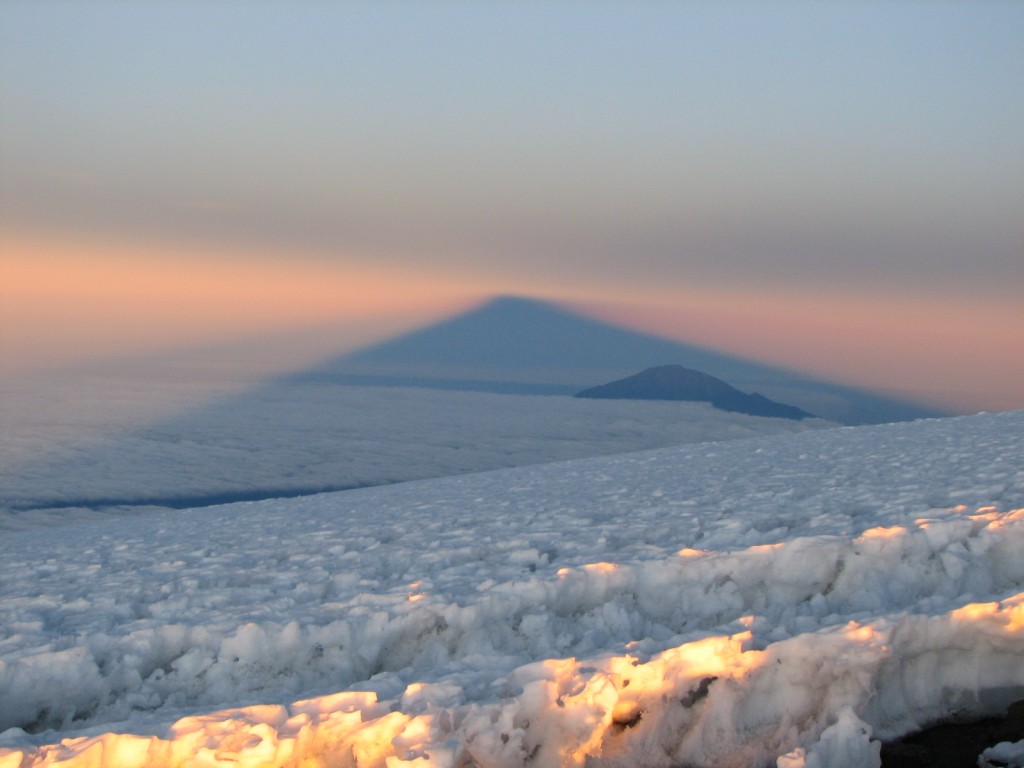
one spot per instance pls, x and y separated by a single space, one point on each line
64 302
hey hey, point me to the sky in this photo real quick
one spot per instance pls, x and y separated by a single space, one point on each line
836 187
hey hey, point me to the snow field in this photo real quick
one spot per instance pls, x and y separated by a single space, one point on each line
298 439
782 599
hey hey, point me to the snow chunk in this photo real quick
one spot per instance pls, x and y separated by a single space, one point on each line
1004 754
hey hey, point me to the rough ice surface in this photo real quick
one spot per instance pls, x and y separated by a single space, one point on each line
778 601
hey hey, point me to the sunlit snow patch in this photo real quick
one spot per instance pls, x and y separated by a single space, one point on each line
714 701
406 627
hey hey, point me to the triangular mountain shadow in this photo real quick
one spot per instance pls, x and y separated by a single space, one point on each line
279 440
525 346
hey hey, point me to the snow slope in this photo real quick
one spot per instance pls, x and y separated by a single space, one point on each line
300 438
784 600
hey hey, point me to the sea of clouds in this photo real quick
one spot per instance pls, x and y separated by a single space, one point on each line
288 439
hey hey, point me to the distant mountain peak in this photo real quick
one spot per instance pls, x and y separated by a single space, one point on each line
675 382
523 345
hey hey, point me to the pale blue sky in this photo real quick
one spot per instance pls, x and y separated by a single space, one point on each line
810 146
793 140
